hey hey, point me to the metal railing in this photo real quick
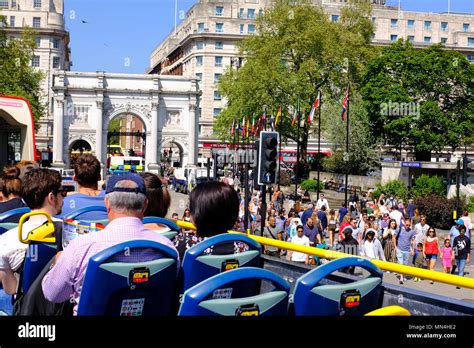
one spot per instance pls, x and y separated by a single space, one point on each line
383 265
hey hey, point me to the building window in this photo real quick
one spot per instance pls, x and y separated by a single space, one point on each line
334 18
55 62
219 45
465 27
12 21
411 24
55 42
241 13
36 22
219 27
444 40
470 57
200 27
393 38
251 13
3 3
219 11
241 28
444 26
199 60
394 23
35 62
37 4
251 29
427 25
218 61
199 76
217 95
216 112
14 3
38 41
470 41
260 12
217 77
199 45
427 39
411 38
374 19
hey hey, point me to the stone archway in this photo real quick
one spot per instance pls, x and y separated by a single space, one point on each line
78 147
177 156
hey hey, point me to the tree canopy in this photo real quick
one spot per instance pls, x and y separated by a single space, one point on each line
422 98
17 76
297 51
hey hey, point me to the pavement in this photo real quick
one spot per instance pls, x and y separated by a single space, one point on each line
179 202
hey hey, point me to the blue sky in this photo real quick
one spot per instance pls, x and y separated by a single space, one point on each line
119 35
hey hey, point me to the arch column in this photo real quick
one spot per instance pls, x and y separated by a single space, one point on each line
58 134
193 139
99 133
155 136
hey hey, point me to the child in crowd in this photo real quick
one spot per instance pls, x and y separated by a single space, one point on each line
446 255
419 259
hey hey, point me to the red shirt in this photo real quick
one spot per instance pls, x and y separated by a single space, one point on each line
431 247
341 228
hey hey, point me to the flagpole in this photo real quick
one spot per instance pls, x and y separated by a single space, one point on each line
298 120
319 140
347 146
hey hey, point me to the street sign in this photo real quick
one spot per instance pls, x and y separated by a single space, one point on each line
411 164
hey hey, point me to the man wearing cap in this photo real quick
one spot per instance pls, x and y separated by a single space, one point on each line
454 231
126 202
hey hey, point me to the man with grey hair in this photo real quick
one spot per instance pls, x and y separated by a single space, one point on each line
126 202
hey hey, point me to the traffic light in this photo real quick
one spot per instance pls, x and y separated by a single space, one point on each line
467 166
268 157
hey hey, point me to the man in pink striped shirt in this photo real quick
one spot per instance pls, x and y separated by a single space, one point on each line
126 202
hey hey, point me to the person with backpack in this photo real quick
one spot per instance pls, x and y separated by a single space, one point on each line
272 231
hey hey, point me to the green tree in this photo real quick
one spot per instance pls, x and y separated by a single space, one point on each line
426 185
297 51
363 152
438 84
17 76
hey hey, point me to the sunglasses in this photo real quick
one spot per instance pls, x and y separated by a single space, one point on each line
62 192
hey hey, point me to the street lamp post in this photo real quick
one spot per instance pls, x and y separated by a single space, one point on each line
297 148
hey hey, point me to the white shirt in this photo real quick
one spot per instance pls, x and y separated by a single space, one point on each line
296 256
397 216
12 251
421 232
321 202
369 249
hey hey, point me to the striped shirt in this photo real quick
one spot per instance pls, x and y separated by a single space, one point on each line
64 281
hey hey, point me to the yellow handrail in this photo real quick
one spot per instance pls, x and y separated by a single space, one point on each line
43 233
389 311
384 265
331 254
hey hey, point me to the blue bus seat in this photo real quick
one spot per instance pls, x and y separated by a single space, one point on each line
5 226
174 228
140 283
198 266
36 258
215 296
354 298
76 213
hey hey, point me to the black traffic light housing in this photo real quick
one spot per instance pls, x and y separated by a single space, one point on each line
467 166
268 158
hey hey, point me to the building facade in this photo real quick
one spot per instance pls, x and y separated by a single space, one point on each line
86 103
204 45
46 18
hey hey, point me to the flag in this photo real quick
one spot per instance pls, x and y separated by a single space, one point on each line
278 116
248 128
258 126
293 121
233 127
264 120
253 124
315 106
272 123
344 106
243 127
